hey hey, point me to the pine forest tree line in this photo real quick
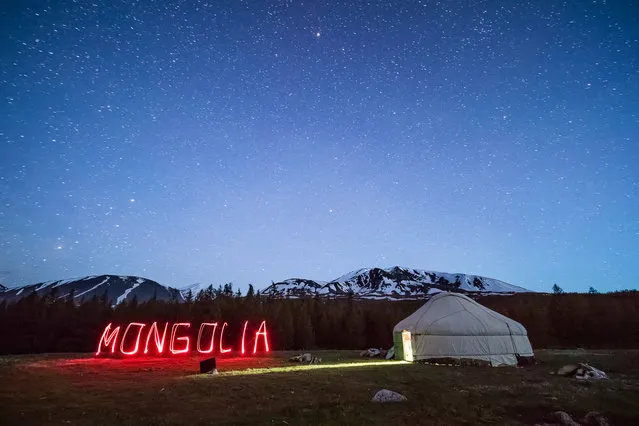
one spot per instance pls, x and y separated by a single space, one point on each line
48 323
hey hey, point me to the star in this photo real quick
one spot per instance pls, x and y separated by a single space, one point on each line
427 127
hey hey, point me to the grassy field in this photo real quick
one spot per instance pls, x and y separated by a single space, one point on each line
78 389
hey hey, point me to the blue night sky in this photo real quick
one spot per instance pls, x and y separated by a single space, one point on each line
251 141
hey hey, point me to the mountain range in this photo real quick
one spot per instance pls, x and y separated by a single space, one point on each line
114 287
395 283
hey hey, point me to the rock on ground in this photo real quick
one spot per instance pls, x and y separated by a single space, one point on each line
562 418
386 395
567 370
595 419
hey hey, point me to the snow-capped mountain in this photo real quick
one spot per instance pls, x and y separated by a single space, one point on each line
370 283
116 289
193 288
297 287
391 283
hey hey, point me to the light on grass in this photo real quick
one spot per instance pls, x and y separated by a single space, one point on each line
296 368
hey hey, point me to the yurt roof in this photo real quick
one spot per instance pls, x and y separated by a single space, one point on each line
454 314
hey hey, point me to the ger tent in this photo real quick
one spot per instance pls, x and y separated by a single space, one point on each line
454 326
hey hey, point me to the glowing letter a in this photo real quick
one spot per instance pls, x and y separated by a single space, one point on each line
261 333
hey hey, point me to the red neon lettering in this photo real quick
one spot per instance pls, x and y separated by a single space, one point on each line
199 337
180 339
137 340
222 350
108 339
261 333
244 334
183 338
159 344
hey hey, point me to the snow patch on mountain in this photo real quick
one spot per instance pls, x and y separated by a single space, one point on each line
91 289
126 293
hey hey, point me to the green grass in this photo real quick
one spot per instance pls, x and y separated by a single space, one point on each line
77 389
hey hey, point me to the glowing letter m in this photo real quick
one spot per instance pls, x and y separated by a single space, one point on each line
109 339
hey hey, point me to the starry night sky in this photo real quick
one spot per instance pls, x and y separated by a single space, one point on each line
251 141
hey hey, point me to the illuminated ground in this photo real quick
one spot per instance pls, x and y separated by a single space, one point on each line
78 389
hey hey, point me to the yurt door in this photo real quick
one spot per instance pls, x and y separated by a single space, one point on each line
407 346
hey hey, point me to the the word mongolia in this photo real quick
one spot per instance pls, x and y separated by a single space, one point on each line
173 339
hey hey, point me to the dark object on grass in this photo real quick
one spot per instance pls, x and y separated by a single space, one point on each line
464 362
522 361
208 366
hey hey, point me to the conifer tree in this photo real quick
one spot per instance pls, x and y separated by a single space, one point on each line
250 293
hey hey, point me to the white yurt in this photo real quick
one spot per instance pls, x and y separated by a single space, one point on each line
452 326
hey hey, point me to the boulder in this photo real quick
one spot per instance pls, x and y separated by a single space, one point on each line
562 418
581 372
371 353
567 370
386 395
593 418
590 373
305 358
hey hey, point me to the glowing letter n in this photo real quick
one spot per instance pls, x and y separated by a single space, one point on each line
159 344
